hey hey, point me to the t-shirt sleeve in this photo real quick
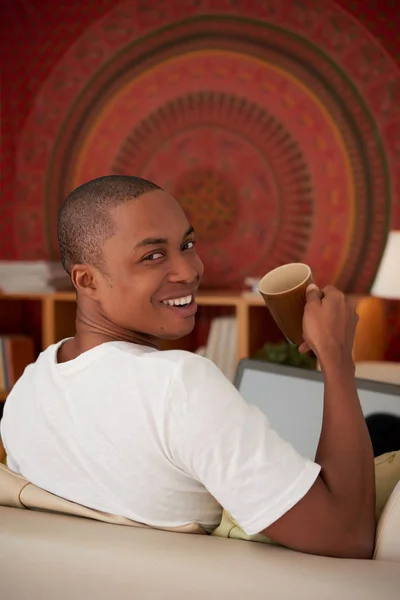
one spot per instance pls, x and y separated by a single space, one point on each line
228 445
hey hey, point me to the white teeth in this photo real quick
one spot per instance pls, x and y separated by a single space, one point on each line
178 301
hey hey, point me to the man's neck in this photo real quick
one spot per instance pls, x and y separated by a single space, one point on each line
94 330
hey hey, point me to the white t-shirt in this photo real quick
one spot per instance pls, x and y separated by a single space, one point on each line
162 438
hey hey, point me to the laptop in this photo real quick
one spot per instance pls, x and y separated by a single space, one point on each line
293 399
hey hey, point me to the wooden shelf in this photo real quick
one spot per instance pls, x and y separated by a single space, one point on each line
203 298
252 299
49 318
55 317
23 296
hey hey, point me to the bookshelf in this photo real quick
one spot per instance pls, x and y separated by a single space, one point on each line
49 318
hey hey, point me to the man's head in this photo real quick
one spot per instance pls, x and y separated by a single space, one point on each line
129 249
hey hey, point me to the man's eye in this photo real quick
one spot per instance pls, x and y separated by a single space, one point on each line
189 245
154 256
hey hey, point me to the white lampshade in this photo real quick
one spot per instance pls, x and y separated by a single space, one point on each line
387 281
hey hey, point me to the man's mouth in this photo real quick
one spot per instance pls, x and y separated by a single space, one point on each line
180 302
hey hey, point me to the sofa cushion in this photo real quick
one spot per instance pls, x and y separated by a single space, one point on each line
387 476
53 556
18 492
388 372
387 543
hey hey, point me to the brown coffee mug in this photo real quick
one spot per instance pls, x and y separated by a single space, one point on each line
284 293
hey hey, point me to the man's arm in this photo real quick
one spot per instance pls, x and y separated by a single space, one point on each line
337 516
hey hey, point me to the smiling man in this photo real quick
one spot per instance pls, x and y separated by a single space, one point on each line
107 420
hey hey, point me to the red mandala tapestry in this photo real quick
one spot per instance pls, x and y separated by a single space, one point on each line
275 124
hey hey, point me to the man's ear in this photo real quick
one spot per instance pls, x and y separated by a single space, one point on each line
85 280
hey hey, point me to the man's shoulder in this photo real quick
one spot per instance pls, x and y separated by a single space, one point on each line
126 362
188 362
161 364
198 377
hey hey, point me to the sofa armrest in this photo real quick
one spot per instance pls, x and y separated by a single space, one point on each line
387 545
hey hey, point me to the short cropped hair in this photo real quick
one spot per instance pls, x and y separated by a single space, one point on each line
84 221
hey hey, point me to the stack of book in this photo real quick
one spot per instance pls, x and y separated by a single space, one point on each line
16 353
32 276
221 345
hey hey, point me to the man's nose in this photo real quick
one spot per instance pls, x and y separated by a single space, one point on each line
182 270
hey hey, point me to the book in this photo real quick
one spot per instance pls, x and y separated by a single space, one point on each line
16 353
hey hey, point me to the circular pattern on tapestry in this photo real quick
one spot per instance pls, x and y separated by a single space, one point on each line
238 174
318 94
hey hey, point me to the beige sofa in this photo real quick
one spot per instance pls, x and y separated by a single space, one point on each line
46 556
385 371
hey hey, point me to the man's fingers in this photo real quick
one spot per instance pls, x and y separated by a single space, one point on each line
313 293
303 348
331 291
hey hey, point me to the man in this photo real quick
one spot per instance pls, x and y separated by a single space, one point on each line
106 420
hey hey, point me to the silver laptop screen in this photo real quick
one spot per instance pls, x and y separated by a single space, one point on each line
293 402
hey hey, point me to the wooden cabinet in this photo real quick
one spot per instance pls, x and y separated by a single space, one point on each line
49 318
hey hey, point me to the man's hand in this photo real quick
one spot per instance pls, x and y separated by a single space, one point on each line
329 325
